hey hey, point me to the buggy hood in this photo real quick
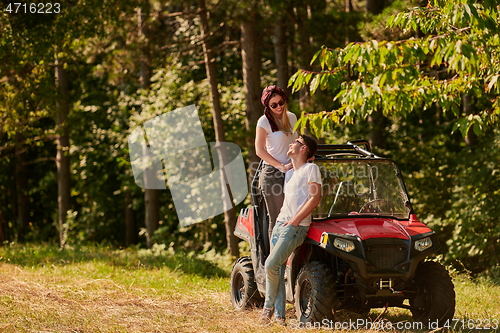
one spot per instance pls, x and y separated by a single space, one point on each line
366 228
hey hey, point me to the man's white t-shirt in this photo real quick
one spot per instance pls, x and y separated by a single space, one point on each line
277 142
297 191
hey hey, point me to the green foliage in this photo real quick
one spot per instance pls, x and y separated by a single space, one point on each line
431 87
457 56
101 47
473 214
418 82
376 26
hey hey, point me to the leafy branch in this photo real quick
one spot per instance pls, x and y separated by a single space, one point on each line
399 77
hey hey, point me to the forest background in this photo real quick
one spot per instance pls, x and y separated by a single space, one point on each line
74 84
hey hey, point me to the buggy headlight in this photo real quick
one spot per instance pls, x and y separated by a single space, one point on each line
423 244
344 244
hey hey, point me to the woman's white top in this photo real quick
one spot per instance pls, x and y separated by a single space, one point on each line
277 142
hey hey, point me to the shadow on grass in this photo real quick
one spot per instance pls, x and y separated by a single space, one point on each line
159 257
380 320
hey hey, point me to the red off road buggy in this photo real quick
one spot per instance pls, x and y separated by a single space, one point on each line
365 247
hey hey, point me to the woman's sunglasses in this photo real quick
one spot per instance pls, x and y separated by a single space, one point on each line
275 105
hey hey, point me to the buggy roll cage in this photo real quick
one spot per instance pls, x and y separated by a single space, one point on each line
352 148
325 151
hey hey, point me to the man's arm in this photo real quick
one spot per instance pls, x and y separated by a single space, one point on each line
311 203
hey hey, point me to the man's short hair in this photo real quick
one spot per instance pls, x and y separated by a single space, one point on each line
311 145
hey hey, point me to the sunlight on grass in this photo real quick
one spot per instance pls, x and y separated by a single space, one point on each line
97 289
477 300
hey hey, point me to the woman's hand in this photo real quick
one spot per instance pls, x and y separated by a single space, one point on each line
285 167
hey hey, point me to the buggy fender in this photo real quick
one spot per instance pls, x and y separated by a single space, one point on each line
245 224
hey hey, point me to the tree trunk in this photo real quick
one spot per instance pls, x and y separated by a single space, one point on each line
145 56
152 204
378 124
377 120
23 212
3 223
220 135
375 6
151 197
62 155
347 7
280 53
250 54
130 221
302 14
468 108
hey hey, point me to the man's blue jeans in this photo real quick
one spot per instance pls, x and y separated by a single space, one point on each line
284 240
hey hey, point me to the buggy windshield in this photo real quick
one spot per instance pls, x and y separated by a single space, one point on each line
361 187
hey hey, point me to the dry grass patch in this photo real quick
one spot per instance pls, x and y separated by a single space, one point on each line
116 291
34 302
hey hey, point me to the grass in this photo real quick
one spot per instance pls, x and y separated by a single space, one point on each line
95 289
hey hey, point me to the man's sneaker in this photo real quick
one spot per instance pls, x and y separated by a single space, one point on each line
265 318
280 321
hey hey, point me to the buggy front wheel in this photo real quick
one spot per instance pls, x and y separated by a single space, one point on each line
244 293
435 300
314 293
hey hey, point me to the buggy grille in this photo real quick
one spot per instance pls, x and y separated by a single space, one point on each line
385 256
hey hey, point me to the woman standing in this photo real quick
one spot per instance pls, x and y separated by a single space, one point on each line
273 135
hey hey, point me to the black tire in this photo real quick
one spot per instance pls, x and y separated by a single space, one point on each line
315 293
436 294
244 293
